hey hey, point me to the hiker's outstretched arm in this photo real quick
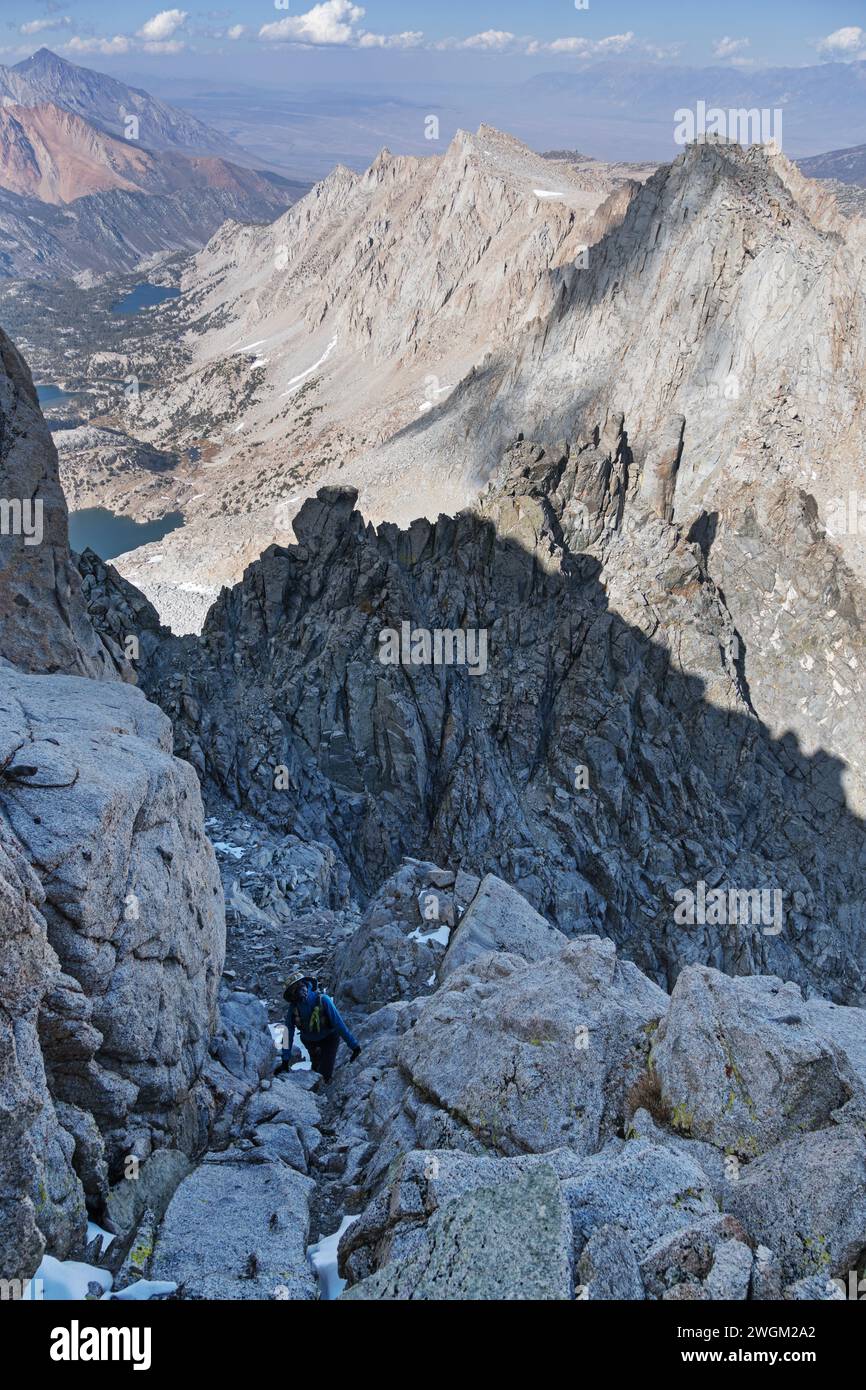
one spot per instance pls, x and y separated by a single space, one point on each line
337 1019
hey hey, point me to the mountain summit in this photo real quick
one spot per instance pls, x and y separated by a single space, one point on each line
107 103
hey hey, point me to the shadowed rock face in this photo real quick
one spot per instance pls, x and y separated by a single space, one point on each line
609 757
43 620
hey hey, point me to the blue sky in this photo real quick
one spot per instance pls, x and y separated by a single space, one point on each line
259 39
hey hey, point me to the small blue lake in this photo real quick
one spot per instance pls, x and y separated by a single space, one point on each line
144 296
101 530
53 395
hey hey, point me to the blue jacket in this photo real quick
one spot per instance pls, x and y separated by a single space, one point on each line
330 1021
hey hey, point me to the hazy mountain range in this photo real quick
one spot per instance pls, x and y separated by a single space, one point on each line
106 103
614 110
847 166
65 144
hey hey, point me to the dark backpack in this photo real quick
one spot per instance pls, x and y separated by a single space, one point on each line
319 1018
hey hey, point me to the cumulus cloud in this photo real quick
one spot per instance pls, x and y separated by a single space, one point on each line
162 26
848 42
119 44
38 26
332 22
493 40
237 31
590 48
156 35
335 23
727 47
502 41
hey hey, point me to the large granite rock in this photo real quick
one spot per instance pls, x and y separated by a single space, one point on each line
114 914
530 1056
806 1201
742 1064
608 1269
133 904
238 1230
41 1198
689 1253
401 939
150 1189
510 1241
422 1183
500 919
642 1188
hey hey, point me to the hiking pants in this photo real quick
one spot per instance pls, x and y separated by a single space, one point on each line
323 1055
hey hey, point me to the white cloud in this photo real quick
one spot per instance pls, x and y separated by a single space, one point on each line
335 23
493 40
410 39
502 41
727 47
849 42
590 48
119 44
38 26
155 36
237 31
332 22
162 26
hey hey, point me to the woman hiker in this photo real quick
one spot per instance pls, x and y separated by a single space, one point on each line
319 1023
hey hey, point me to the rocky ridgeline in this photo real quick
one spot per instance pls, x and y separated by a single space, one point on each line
418 267
697 307
608 758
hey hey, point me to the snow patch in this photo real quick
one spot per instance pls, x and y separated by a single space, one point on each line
142 1290
69 1280
236 851
296 380
323 1258
278 1033
441 935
